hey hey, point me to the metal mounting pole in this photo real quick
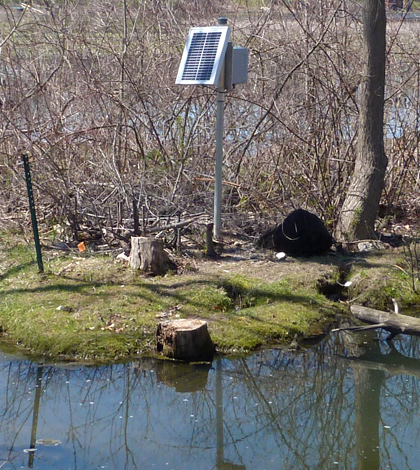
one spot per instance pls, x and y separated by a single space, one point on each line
219 165
220 101
33 213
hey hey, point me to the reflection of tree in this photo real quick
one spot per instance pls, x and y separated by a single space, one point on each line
367 384
272 410
58 404
320 403
371 367
299 409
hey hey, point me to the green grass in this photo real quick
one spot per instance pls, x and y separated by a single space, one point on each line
264 313
94 308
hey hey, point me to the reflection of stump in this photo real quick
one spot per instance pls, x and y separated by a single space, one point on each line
184 377
148 255
186 340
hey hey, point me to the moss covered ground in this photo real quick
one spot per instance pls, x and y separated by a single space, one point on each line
92 307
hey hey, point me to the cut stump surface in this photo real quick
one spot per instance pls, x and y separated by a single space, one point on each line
186 340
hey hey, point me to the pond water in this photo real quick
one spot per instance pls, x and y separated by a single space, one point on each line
348 402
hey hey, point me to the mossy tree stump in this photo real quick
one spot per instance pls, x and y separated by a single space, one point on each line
148 255
186 340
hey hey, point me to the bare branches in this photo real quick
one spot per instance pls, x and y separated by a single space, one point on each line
88 90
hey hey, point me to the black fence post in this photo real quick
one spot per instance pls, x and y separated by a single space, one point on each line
33 213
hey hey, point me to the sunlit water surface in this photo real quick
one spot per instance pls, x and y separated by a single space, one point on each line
339 405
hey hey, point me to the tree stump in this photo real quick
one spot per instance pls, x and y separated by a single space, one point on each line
148 255
210 251
186 340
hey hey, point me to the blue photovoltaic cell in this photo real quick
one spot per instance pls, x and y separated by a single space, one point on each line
201 55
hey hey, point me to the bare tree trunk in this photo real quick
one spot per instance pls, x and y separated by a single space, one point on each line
360 207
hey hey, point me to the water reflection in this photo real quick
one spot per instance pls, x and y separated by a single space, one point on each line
348 403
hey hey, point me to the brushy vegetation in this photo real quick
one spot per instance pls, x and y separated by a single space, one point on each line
88 92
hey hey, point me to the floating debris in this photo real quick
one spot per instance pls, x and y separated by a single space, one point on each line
48 442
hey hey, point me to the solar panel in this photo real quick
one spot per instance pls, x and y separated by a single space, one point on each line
203 56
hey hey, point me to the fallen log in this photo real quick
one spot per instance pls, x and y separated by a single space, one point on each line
180 224
394 322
